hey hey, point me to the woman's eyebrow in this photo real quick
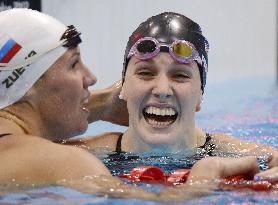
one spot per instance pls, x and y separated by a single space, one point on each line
73 52
143 61
180 66
76 53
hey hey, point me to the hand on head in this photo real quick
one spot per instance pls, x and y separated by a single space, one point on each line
116 111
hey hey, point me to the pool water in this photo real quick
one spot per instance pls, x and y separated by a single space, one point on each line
247 109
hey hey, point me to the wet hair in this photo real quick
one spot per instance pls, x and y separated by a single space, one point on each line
166 28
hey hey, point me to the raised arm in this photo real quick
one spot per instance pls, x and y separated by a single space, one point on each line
105 105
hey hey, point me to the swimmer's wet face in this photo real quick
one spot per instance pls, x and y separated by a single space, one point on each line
53 80
168 61
62 93
162 97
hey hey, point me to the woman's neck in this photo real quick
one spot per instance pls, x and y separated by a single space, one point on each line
192 139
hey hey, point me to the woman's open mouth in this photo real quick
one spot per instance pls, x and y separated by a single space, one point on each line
160 117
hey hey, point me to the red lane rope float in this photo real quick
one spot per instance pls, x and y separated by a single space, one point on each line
154 175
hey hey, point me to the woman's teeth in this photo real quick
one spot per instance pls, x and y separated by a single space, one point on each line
85 109
160 111
83 105
159 124
160 117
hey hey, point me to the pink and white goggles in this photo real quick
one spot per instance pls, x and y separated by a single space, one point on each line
180 50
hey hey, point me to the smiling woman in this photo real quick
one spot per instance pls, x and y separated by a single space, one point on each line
164 78
167 95
62 93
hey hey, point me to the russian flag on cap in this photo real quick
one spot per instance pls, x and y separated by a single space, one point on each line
9 49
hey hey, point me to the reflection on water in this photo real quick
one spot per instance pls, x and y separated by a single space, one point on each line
250 110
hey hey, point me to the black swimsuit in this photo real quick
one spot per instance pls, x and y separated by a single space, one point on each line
119 143
208 146
119 155
119 161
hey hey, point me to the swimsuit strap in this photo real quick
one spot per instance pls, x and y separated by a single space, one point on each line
208 147
119 144
2 135
208 138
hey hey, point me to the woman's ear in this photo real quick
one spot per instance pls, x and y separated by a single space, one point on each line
29 97
34 94
199 102
122 95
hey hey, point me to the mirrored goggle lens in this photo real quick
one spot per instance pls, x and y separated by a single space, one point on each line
146 46
183 50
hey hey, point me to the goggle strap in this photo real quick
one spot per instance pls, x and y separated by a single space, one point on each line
29 60
71 38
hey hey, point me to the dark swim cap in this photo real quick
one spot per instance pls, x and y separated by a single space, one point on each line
168 27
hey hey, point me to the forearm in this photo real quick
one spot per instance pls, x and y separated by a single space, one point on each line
112 187
105 105
97 105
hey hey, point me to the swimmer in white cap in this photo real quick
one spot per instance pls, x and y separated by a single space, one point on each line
43 93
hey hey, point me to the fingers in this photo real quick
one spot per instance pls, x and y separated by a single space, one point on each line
270 175
273 160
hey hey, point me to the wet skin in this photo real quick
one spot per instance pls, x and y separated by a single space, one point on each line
162 97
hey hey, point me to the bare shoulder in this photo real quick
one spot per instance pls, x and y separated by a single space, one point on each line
223 137
40 160
106 140
230 143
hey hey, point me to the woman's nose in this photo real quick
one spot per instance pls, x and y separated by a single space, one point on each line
162 88
89 78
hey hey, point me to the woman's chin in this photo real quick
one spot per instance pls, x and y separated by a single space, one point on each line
81 129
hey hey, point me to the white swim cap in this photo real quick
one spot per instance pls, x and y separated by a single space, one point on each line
30 42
